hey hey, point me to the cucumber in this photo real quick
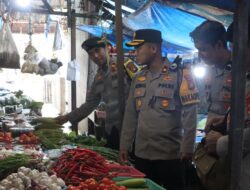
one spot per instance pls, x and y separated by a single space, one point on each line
132 183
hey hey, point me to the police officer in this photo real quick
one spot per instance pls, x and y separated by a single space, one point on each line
104 88
210 40
217 143
161 99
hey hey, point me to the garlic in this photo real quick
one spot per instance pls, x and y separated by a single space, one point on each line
60 182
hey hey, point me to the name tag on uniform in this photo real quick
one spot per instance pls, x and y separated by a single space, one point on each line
140 86
190 98
166 85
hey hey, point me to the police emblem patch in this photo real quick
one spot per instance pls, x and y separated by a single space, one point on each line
164 69
139 103
167 78
138 92
173 66
165 103
141 79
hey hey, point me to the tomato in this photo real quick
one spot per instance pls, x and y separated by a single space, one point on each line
106 181
102 186
93 185
122 188
88 181
70 187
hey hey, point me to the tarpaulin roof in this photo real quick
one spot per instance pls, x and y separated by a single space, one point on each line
229 5
110 34
174 24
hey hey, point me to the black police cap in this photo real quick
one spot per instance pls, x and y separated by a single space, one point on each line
145 35
93 42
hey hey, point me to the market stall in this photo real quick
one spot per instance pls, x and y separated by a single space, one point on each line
36 154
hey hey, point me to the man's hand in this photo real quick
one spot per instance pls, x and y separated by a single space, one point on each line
61 119
211 141
213 121
186 156
123 154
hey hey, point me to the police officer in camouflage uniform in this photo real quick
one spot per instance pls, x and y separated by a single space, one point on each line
160 114
210 40
104 88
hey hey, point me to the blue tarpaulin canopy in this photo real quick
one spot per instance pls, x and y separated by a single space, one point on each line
229 5
174 24
174 20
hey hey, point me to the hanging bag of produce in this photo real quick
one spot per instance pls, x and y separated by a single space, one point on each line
9 57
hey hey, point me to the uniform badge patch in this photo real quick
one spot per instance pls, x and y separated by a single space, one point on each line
167 78
139 103
113 67
141 79
165 103
164 92
229 79
164 69
138 92
173 66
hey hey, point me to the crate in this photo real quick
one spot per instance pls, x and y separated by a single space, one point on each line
151 185
125 171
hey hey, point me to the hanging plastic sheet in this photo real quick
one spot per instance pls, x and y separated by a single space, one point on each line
73 71
9 56
58 43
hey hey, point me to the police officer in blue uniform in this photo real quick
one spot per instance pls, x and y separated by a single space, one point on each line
104 88
160 114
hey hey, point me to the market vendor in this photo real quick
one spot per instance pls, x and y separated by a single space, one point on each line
104 88
156 110
209 39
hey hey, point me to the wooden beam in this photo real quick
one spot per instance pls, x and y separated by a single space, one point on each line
238 93
47 5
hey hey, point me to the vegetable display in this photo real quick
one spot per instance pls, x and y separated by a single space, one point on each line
28 138
108 153
80 163
50 133
12 163
5 137
27 179
84 140
92 184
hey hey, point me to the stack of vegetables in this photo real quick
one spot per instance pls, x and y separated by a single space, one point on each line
108 153
92 184
80 163
27 179
92 143
84 140
10 164
49 132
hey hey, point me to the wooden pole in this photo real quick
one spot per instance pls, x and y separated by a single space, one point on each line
120 55
73 56
238 93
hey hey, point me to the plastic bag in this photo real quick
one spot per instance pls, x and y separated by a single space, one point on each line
73 71
9 56
31 58
58 38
